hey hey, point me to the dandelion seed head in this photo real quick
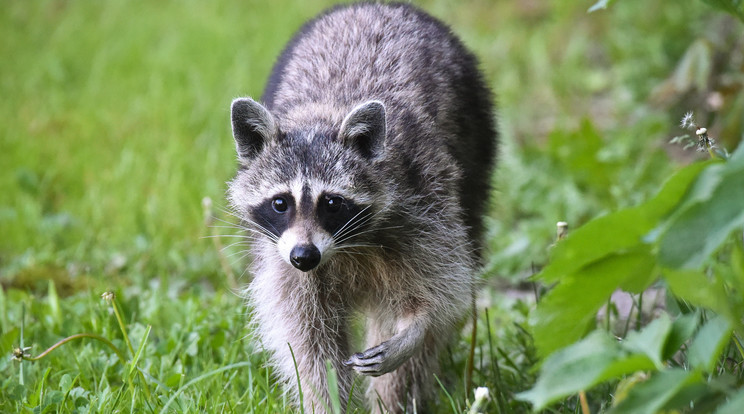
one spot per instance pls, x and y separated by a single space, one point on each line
687 121
561 229
20 353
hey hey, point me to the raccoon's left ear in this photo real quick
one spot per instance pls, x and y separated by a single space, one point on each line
364 129
253 127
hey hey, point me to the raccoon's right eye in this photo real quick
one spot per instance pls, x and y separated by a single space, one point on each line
279 205
333 204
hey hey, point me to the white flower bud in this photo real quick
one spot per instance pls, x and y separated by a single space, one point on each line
481 393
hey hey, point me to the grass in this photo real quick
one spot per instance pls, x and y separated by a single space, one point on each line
115 128
196 352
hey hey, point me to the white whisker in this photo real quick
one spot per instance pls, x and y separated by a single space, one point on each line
365 232
361 221
354 227
350 220
237 243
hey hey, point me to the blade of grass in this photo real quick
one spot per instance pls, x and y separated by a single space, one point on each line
133 365
299 385
451 400
495 368
333 388
178 392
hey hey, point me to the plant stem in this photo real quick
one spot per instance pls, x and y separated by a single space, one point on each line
122 326
607 312
471 355
23 322
79 336
584 403
639 316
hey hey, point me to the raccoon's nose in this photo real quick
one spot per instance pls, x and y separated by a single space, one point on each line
304 257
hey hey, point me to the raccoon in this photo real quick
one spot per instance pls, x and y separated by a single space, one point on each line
363 178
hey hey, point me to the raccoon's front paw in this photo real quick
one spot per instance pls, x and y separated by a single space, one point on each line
374 362
382 358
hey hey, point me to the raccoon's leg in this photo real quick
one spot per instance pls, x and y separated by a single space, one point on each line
390 354
291 311
410 384
311 354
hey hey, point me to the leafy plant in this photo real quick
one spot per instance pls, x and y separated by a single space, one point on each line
688 236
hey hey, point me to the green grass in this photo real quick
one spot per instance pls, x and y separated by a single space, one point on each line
194 334
115 126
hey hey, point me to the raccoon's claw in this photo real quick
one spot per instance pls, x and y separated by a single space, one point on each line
372 362
389 355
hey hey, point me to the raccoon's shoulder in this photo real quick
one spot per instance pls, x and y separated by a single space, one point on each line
359 42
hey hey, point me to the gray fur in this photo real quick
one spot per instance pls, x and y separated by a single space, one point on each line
382 107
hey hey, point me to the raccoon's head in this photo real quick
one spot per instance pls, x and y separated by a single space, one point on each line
312 190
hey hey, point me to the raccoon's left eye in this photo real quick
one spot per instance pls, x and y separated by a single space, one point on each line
333 203
279 204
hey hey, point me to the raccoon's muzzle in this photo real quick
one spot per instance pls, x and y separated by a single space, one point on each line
304 257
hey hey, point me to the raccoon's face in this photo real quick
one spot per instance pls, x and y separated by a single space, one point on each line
308 225
311 193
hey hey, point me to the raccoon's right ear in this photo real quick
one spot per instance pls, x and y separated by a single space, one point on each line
253 127
364 129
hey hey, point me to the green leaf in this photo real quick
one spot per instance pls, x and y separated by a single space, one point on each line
734 404
682 329
626 384
733 7
617 231
53 398
651 396
693 70
579 153
696 288
703 187
16 391
561 317
9 340
737 157
711 293
651 340
65 383
708 344
173 380
333 388
698 231
737 267
581 366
